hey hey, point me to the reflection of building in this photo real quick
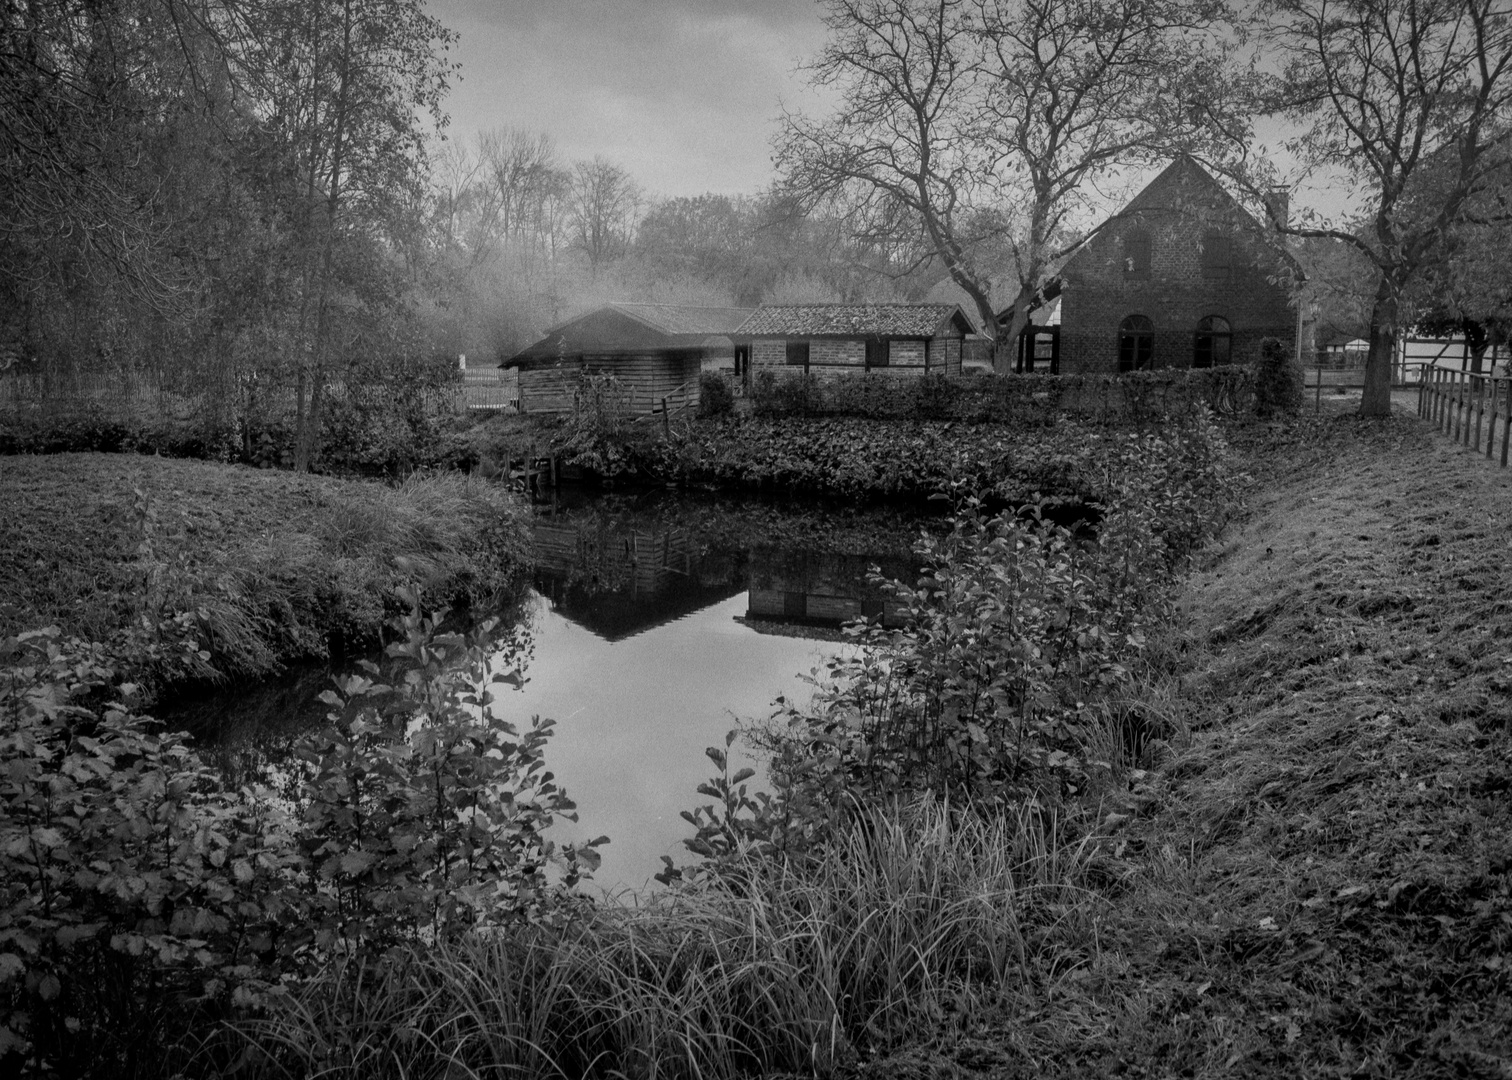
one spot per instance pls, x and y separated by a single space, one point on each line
617 581
817 588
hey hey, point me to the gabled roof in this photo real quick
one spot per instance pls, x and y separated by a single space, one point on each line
854 320
1182 189
677 320
631 328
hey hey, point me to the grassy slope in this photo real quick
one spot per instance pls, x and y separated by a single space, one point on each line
1320 881
277 561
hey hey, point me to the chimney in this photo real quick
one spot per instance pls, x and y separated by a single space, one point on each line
1278 207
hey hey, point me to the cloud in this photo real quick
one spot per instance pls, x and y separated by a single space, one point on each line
683 93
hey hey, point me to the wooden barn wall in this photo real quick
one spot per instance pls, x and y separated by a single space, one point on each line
645 377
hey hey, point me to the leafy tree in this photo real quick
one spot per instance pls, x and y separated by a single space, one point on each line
1408 101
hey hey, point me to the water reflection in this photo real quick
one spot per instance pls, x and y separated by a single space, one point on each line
657 623
664 620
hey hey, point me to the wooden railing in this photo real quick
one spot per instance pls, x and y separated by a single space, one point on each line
1460 403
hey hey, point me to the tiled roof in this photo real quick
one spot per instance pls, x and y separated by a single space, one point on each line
849 320
678 319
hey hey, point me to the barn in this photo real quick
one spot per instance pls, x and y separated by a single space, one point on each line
656 351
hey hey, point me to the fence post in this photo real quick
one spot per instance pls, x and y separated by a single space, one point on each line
1491 430
1480 408
1507 424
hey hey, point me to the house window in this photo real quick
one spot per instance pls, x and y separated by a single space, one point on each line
1136 254
876 353
1136 343
798 355
1213 344
1217 257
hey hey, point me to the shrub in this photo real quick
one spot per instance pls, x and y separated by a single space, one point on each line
141 897
1278 381
715 397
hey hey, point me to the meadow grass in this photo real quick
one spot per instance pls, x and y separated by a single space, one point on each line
261 567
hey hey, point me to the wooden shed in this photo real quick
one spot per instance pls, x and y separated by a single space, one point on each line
656 351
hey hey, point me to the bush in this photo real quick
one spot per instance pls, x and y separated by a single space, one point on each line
142 898
715 397
1278 381
1036 400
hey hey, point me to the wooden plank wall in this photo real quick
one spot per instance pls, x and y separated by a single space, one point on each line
645 377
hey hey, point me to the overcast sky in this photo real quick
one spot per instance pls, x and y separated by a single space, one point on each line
683 94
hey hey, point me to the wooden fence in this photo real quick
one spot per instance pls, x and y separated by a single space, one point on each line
1461 403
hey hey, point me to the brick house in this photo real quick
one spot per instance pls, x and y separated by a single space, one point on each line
1180 278
840 340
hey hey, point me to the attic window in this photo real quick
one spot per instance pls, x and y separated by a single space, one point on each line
1136 254
798 354
1216 257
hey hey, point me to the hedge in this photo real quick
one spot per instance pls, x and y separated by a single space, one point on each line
1021 400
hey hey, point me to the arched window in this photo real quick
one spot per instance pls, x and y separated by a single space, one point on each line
1136 343
1136 254
1217 257
1213 344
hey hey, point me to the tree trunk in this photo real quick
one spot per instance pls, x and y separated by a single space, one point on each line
1009 336
1376 401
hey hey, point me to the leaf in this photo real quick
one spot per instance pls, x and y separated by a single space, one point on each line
49 988
12 965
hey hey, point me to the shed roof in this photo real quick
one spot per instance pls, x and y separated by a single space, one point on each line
634 328
854 320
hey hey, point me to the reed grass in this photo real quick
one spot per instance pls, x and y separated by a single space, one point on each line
911 917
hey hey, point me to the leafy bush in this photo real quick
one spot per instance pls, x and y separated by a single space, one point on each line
1036 400
140 897
715 398
1018 635
1278 381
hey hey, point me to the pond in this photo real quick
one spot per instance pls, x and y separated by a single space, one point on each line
658 621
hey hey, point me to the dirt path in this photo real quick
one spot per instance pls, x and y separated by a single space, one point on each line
1320 879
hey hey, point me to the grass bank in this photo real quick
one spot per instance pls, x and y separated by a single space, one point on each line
258 567
1313 876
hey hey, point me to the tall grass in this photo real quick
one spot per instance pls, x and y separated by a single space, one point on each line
910 916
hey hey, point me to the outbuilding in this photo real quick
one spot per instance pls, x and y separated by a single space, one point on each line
840 340
655 351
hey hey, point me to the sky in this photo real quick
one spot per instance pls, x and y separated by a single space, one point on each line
683 94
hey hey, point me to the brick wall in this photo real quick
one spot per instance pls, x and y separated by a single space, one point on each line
1177 294
843 355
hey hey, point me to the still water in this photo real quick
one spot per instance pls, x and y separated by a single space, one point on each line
658 622
662 622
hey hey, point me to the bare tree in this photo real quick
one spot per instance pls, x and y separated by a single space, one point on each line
604 201
978 124
1409 101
